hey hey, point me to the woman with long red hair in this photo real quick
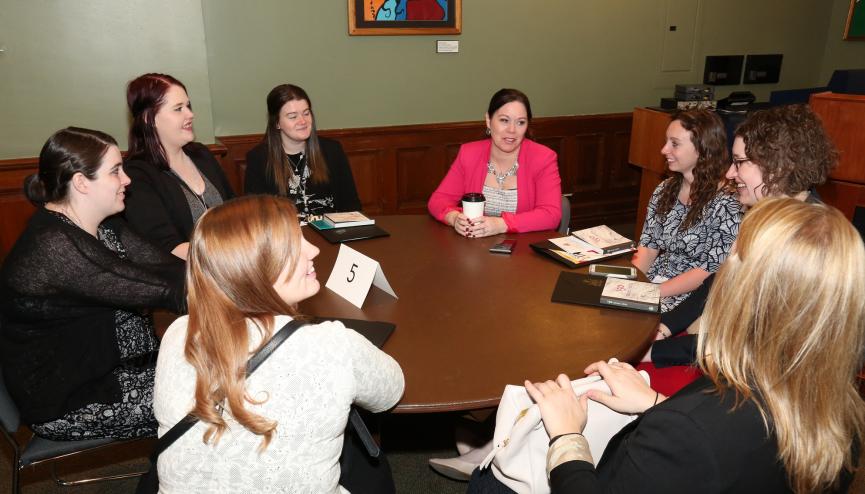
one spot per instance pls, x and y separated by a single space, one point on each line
282 427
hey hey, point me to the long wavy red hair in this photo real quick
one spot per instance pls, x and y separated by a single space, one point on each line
236 254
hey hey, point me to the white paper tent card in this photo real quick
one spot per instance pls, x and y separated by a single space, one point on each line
354 273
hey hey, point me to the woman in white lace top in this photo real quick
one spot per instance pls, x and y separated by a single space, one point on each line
282 428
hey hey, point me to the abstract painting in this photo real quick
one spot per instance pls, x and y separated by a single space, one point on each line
404 17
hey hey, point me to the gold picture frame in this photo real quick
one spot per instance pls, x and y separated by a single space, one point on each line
855 27
404 17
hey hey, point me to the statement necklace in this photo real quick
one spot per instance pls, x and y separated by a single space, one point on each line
500 178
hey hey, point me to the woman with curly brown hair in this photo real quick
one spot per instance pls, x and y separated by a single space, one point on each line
783 151
692 221
779 152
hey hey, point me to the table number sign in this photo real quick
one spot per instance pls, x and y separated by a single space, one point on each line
354 273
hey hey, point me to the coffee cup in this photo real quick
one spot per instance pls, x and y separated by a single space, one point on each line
473 205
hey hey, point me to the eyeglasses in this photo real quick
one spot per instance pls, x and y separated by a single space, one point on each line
737 162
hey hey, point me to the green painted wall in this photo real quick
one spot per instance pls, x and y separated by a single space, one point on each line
570 57
840 54
67 62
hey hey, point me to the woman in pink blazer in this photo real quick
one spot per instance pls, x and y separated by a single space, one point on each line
518 177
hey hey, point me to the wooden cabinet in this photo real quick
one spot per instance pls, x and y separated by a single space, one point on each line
648 133
843 116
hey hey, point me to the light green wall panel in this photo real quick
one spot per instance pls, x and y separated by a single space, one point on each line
570 57
67 62
840 54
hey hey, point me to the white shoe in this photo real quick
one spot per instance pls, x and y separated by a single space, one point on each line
467 438
461 467
453 468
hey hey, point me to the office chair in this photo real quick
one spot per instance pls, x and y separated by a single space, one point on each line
565 224
39 450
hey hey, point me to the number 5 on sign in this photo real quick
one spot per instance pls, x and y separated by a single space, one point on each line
352 275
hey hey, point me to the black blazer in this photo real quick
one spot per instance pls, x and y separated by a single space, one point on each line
341 185
692 442
155 204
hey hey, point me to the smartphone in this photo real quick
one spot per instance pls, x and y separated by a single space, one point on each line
505 247
624 272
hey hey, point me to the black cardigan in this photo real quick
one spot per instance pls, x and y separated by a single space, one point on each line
59 290
341 185
155 204
692 442
683 349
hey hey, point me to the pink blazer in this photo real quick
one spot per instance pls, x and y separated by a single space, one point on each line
539 187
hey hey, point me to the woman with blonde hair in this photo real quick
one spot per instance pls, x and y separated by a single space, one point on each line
778 410
282 427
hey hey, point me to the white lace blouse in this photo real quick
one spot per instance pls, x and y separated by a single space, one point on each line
309 384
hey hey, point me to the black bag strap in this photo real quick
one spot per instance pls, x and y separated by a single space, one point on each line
256 360
186 423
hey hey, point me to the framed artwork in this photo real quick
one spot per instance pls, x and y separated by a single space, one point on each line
855 28
404 17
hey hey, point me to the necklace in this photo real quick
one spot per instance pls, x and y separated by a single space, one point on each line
500 178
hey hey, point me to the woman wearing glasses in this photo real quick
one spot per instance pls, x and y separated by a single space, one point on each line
779 152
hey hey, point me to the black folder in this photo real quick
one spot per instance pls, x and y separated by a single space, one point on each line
584 289
549 249
340 235
576 288
377 332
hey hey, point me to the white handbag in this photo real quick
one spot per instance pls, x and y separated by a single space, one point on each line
520 442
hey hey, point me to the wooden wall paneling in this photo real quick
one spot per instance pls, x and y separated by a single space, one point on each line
587 166
398 167
365 167
419 171
236 149
15 208
623 175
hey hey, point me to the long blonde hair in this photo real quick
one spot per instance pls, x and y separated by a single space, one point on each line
236 254
783 327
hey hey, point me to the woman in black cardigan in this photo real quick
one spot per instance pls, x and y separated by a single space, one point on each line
174 180
293 161
75 343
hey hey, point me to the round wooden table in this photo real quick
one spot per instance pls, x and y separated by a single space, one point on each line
469 321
